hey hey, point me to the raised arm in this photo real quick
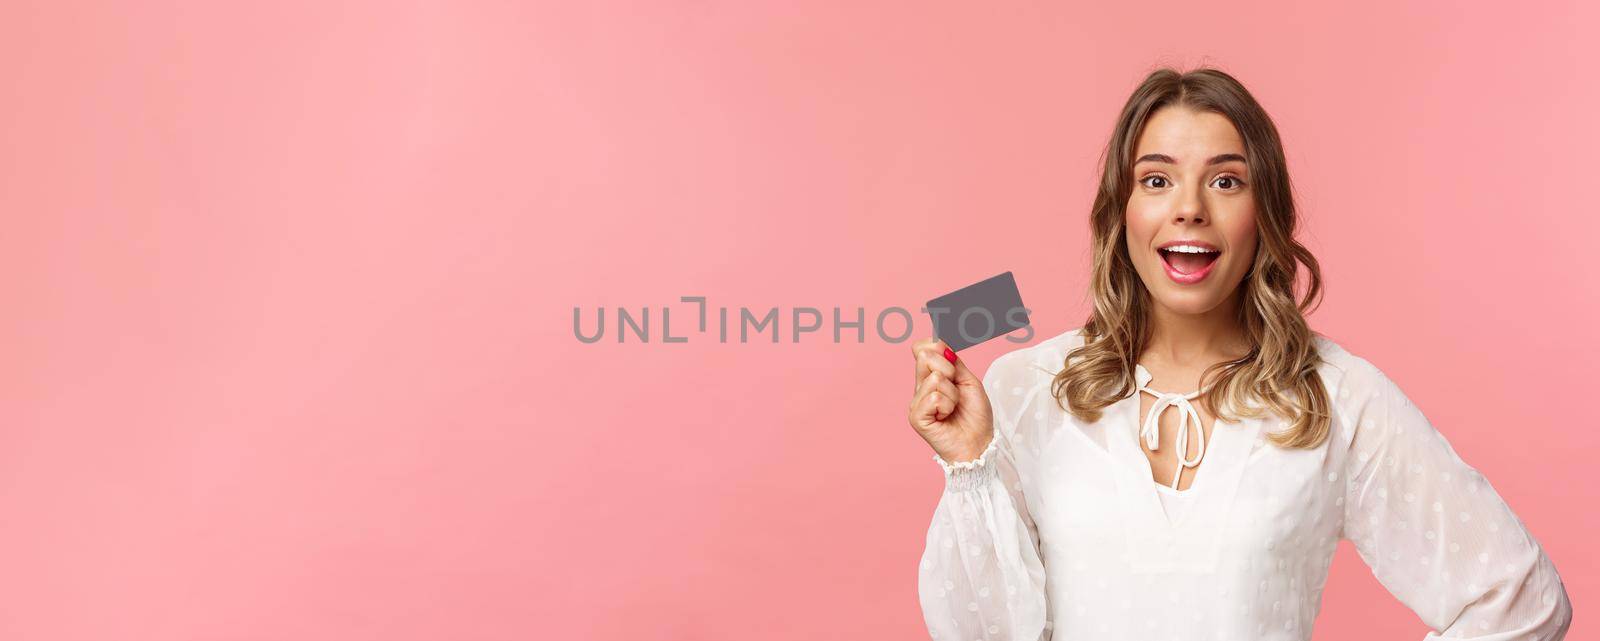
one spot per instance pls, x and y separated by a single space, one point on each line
981 576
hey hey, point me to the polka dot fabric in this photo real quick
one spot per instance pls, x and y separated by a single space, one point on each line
1058 531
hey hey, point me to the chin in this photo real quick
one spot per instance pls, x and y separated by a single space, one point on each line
1189 303
1188 299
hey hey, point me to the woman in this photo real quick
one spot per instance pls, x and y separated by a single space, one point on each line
1077 507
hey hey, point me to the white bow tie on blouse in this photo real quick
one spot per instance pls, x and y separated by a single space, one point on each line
1151 430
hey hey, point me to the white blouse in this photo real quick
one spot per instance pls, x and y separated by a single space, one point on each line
1058 530
1172 501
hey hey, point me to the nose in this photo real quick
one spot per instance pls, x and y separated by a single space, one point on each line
1191 207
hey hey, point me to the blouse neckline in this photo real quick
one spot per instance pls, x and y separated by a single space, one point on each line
1156 539
1188 420
1171 492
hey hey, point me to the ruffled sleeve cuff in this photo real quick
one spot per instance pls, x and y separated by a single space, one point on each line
968 475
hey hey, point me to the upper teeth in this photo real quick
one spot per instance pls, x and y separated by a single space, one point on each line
1189 249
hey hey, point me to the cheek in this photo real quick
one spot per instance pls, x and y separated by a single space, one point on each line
1143 219
1242 233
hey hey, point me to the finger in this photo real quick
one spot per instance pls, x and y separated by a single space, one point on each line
929 356
936 384
925 410
924 352
963 375
946 388
933 381
943 406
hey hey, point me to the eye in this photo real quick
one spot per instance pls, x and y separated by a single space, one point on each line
1155 181
1227 183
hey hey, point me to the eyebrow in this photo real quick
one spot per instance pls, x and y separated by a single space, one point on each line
1215 160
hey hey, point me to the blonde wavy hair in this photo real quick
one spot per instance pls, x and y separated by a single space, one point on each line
1280 372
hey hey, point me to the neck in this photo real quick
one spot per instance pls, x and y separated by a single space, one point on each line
1197 339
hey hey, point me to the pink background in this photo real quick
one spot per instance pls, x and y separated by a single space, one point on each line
289 291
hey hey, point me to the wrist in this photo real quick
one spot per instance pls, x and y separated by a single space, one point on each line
963 455
973 450
966 458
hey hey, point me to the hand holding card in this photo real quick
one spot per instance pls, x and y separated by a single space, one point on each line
949 407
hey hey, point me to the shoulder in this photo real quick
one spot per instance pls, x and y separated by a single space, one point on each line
1031 363
1022 376
1349 376
1361 394
1017 377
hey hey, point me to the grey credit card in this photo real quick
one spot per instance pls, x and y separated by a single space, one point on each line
978 312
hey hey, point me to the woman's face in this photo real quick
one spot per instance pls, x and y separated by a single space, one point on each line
1191 183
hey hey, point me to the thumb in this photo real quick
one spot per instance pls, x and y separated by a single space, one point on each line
970 387
964 376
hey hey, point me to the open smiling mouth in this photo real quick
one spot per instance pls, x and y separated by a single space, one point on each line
1188 263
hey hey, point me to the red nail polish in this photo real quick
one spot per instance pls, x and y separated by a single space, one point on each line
950 355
